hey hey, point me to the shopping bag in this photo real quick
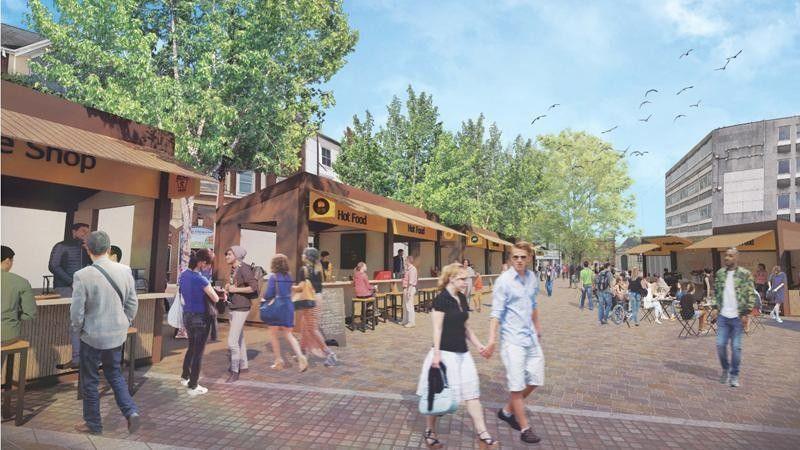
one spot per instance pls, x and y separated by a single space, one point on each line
444 402
175 316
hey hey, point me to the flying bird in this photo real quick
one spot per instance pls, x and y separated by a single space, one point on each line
644 103
678 117
696 105
725 66
734 56
645 120
638 153
553 106
684 89
686 53
610 129
538 117
649 91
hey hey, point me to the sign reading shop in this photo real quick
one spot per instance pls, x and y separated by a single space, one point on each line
53 155
326 210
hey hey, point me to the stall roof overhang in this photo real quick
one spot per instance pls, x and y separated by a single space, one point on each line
45 132
488 236
387 213
733 240
641 248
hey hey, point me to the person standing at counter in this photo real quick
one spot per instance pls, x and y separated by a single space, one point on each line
409 290
208 272
103 306
66 258
327 266
398 265
194 287
17 298
242 288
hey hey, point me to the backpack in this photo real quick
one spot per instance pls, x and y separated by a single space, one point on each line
261 276
602 281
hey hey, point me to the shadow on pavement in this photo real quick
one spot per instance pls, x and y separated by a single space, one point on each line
693 369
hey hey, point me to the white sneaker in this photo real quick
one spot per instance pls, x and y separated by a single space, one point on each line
199 390
779 320
184 382
658 321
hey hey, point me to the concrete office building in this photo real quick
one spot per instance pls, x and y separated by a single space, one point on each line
740 174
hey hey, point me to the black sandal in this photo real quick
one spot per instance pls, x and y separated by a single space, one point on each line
486 442
431 441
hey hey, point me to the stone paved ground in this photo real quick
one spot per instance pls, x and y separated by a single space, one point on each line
607 387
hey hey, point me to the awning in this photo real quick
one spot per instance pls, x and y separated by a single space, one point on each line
752 240
340 214
641 248
491 238
47 133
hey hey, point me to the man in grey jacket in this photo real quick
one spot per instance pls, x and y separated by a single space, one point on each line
104 304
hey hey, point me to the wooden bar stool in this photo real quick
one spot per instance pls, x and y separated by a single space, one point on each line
366 314
20 348
381 307
131 344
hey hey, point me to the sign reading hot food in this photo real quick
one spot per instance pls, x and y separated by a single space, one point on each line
326 210
473 240
494 246
413 230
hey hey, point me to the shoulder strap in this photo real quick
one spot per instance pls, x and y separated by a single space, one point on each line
111 281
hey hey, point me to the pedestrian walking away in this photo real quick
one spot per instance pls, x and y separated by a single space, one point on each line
777 292
586 276
103 306
734 297
242 288
450 337
603 283
194 287
515 313
311 339
277 311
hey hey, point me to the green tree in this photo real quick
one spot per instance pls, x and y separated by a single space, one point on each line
234 79
583 200
363 164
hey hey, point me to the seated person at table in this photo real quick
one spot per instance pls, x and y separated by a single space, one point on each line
17 299
661 288
650 302
361 282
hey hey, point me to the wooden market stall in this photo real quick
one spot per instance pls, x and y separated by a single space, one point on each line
63 157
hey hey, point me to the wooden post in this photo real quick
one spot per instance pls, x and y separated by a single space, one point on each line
158 259
673 261
437 250
486 256
68 221
388 246
95 219
292 228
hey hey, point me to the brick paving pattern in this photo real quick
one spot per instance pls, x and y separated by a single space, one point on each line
607 387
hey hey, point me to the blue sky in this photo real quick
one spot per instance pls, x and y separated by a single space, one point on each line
511 59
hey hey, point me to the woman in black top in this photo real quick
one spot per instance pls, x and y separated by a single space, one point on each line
450 336
637 289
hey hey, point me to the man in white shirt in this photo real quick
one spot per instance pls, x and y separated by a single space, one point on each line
734 297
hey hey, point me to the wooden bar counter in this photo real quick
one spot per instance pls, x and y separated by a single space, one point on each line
49 333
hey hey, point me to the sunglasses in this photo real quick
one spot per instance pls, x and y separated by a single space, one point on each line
521 257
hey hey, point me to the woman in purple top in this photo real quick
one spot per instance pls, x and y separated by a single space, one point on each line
279 297
777 286
194 288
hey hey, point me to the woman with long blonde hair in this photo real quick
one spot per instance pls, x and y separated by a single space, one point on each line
450 337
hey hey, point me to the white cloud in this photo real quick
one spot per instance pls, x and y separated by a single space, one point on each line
694 18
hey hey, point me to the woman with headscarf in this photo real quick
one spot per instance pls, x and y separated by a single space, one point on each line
777 286
311 339
241 288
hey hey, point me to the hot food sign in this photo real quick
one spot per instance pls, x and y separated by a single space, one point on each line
325 209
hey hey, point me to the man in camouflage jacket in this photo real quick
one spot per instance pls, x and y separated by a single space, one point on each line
734 298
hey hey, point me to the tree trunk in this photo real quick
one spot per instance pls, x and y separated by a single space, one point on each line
187 207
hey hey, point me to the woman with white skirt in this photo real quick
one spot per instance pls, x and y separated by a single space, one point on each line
450 337
650 301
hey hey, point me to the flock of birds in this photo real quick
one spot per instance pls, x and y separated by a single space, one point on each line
645 101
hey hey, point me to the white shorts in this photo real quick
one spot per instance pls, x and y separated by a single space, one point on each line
524 365
462 376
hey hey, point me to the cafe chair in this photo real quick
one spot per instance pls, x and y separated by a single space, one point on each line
11 350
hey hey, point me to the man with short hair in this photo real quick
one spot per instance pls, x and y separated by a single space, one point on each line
104 304
515 313
586 276
398 265
734 297
17 298
409 290
67 257
604 280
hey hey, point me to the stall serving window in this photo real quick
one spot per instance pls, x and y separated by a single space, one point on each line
353 250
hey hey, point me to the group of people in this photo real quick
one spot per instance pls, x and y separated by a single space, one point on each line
283 313
515 315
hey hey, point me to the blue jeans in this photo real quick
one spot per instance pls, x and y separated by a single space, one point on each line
635 304
90 378
729 330
549 286
586 293
603 306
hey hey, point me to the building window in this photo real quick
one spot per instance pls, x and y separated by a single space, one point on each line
326 157
246 183
797 200
783 167
786 217
783 133
783 201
